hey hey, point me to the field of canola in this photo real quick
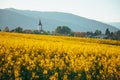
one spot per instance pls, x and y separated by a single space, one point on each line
43 57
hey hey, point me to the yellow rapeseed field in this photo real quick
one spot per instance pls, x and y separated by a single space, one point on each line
48 57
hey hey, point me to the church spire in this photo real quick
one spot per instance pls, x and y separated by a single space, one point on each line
40 22
40 25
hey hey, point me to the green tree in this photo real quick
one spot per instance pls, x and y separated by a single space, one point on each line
97 32
36 32
46 32
18 29
6 29
63 30
58 30
0 29
89 34
107 32
118 33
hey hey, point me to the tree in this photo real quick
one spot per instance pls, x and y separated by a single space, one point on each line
6 29
36 32
0 29
89 34
58 30
107 32
118 33
12 30
18 29
46 32
63 30
98 32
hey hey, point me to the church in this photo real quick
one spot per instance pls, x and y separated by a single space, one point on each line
40 29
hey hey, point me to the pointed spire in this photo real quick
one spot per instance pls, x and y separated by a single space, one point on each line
40 22
40 25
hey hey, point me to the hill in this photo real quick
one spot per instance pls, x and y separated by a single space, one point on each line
116 24
50 20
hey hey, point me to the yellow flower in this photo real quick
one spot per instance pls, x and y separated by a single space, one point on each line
45 72
19 52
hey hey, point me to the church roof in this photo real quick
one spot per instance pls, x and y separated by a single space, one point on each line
40 22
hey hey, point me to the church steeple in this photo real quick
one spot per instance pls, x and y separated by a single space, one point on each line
40 25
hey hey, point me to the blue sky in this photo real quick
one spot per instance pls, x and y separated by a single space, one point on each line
101 10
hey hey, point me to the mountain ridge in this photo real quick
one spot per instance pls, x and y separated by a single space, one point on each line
116 24
29 20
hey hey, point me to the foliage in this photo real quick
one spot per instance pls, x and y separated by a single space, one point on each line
18 29
63 30
107 32
36 31
42 57
89 33
118 33
115 35
97 32
6 29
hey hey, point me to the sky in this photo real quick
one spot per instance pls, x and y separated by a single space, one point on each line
101 10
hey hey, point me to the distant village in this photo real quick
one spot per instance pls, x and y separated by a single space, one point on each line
66 31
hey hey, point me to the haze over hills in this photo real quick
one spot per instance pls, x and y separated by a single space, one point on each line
116 24
50 20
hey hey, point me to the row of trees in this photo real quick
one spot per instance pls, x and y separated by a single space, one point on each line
65 30
108 34
60 30
98 32
21 30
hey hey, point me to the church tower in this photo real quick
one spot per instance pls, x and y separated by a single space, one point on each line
40 26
